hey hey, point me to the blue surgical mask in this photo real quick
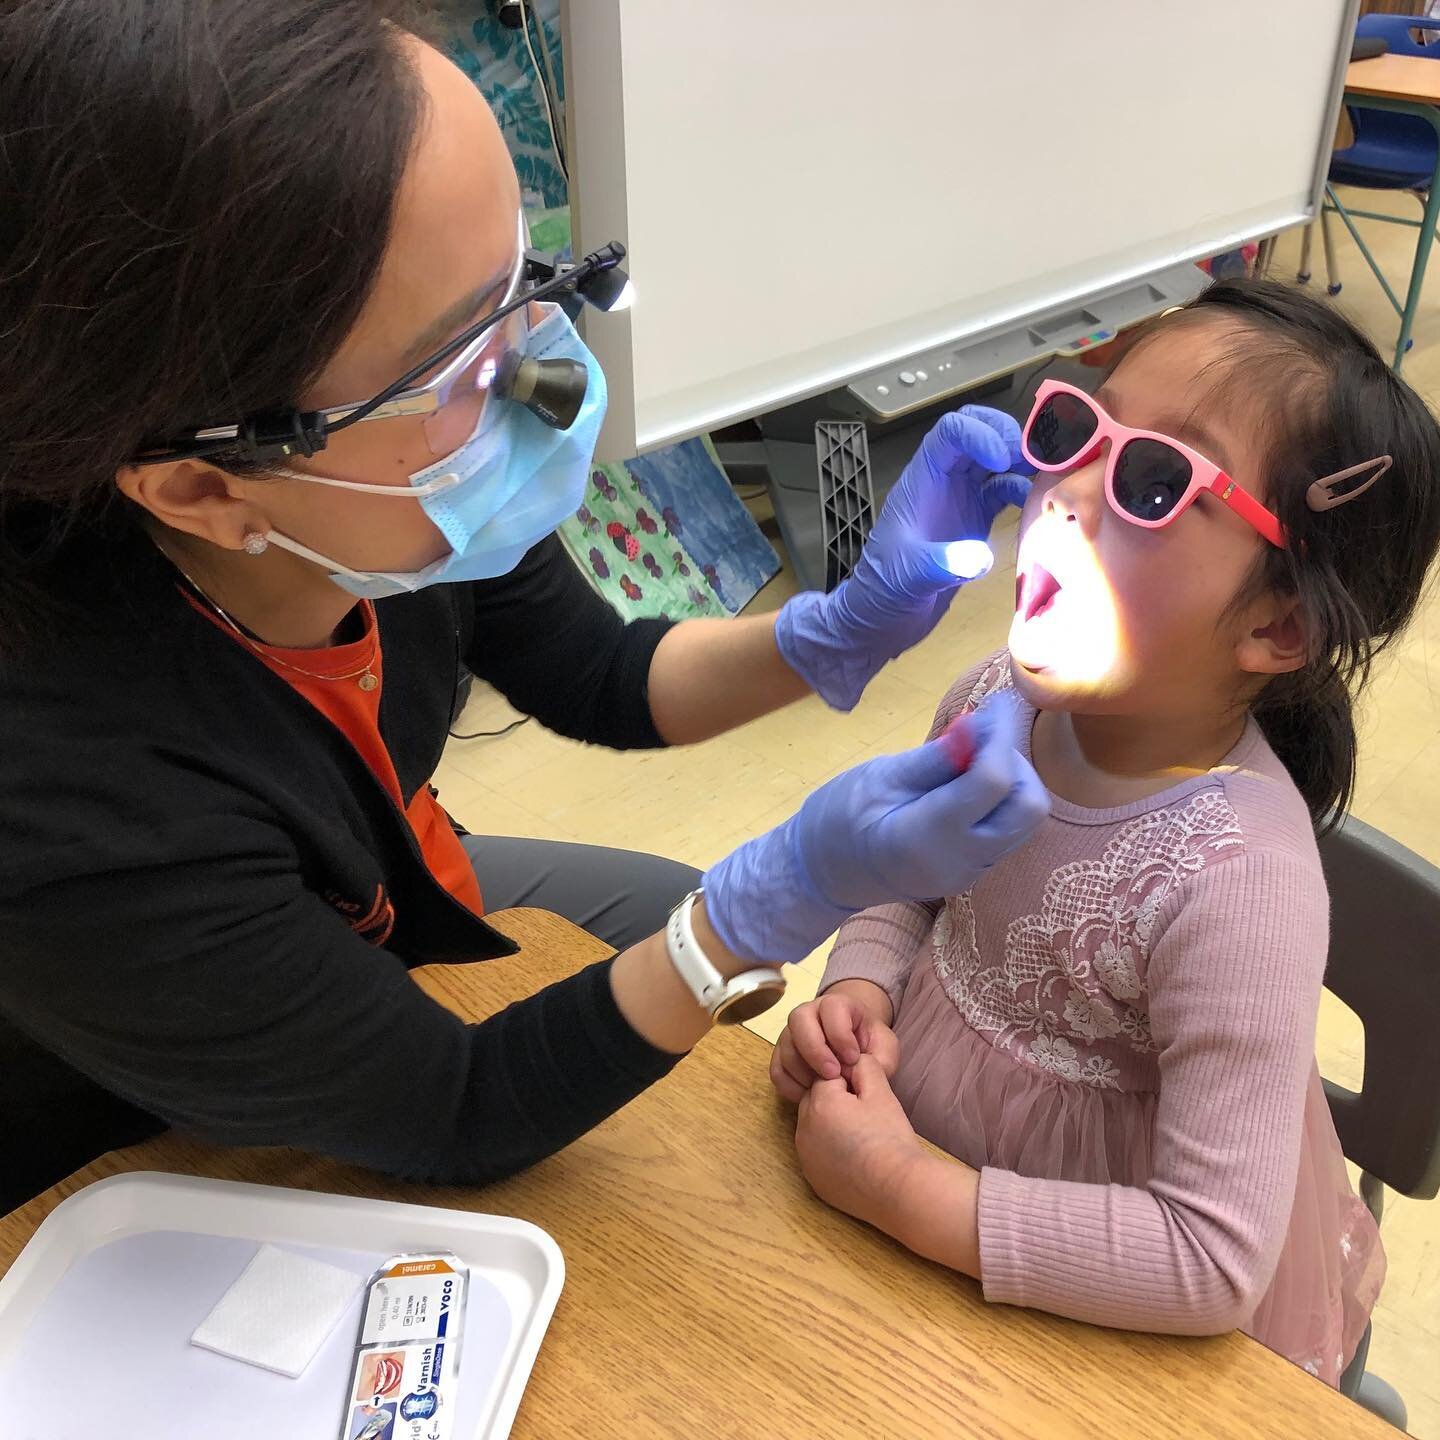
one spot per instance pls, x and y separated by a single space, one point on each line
512 483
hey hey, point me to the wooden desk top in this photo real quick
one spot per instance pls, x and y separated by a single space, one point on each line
709 1293
1397 77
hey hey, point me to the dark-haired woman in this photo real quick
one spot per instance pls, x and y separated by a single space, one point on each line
266 484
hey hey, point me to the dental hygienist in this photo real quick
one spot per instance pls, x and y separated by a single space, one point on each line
286 429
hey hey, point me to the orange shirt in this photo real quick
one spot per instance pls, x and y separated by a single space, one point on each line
355 712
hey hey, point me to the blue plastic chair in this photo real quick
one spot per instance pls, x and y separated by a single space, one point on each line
1390 152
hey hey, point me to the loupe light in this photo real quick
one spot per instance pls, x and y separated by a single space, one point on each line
597 279
967 559
608 290
554 390
626 298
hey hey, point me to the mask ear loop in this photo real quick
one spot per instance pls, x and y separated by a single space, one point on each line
406 492
1323 493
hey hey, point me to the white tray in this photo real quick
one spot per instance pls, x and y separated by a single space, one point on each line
96 1313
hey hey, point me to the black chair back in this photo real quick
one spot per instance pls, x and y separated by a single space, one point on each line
1385 965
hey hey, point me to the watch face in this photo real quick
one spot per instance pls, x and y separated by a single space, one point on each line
753 998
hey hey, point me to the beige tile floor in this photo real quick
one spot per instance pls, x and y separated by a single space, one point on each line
697 804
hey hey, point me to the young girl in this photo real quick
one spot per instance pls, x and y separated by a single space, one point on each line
1114 1028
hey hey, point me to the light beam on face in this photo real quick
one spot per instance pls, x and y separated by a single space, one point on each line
1066 629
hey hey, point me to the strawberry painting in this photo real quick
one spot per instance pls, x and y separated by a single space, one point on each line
682 543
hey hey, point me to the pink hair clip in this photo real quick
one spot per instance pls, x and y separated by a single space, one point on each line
1324 493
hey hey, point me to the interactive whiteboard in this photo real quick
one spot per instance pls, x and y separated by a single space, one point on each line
815 188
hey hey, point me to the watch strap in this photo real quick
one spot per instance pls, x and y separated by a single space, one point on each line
688 957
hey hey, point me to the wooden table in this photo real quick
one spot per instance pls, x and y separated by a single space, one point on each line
1409 84
1395 77
709 1294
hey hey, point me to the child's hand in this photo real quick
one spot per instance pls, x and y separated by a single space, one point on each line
824 1038
856 1144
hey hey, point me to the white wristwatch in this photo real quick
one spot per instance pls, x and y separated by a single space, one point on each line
742 997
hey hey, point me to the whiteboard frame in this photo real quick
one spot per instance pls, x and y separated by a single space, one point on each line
595 106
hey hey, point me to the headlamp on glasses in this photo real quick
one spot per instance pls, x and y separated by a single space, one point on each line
554 390
485 361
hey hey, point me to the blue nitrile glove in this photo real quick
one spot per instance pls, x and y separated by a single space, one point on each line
962 477
902 827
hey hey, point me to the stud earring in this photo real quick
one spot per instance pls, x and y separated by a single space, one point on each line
254 543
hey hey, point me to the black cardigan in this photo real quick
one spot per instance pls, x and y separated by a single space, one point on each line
189 852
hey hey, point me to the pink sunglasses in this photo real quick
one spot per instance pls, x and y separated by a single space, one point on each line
1150 479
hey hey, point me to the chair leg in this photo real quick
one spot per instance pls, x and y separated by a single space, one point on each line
1349 222
1332 270
1302 275
1265 256
1422 196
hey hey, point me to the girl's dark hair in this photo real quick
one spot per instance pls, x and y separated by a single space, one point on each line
195 197
1324 399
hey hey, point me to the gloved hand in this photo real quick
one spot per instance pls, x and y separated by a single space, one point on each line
967 470
901 827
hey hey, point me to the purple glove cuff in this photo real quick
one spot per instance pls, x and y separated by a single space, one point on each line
763 903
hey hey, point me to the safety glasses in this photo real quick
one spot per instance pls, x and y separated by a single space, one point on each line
1150 479
453 386
454 395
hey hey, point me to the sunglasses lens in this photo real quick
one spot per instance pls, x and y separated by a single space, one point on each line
1150 479
1061 429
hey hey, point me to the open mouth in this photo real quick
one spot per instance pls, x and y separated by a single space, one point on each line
1035 592
1066 626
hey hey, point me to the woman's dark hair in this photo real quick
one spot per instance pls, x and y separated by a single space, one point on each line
195 197
1324 399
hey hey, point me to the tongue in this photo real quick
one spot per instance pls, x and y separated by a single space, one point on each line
1043 588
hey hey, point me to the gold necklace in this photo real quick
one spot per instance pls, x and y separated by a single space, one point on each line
365 676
